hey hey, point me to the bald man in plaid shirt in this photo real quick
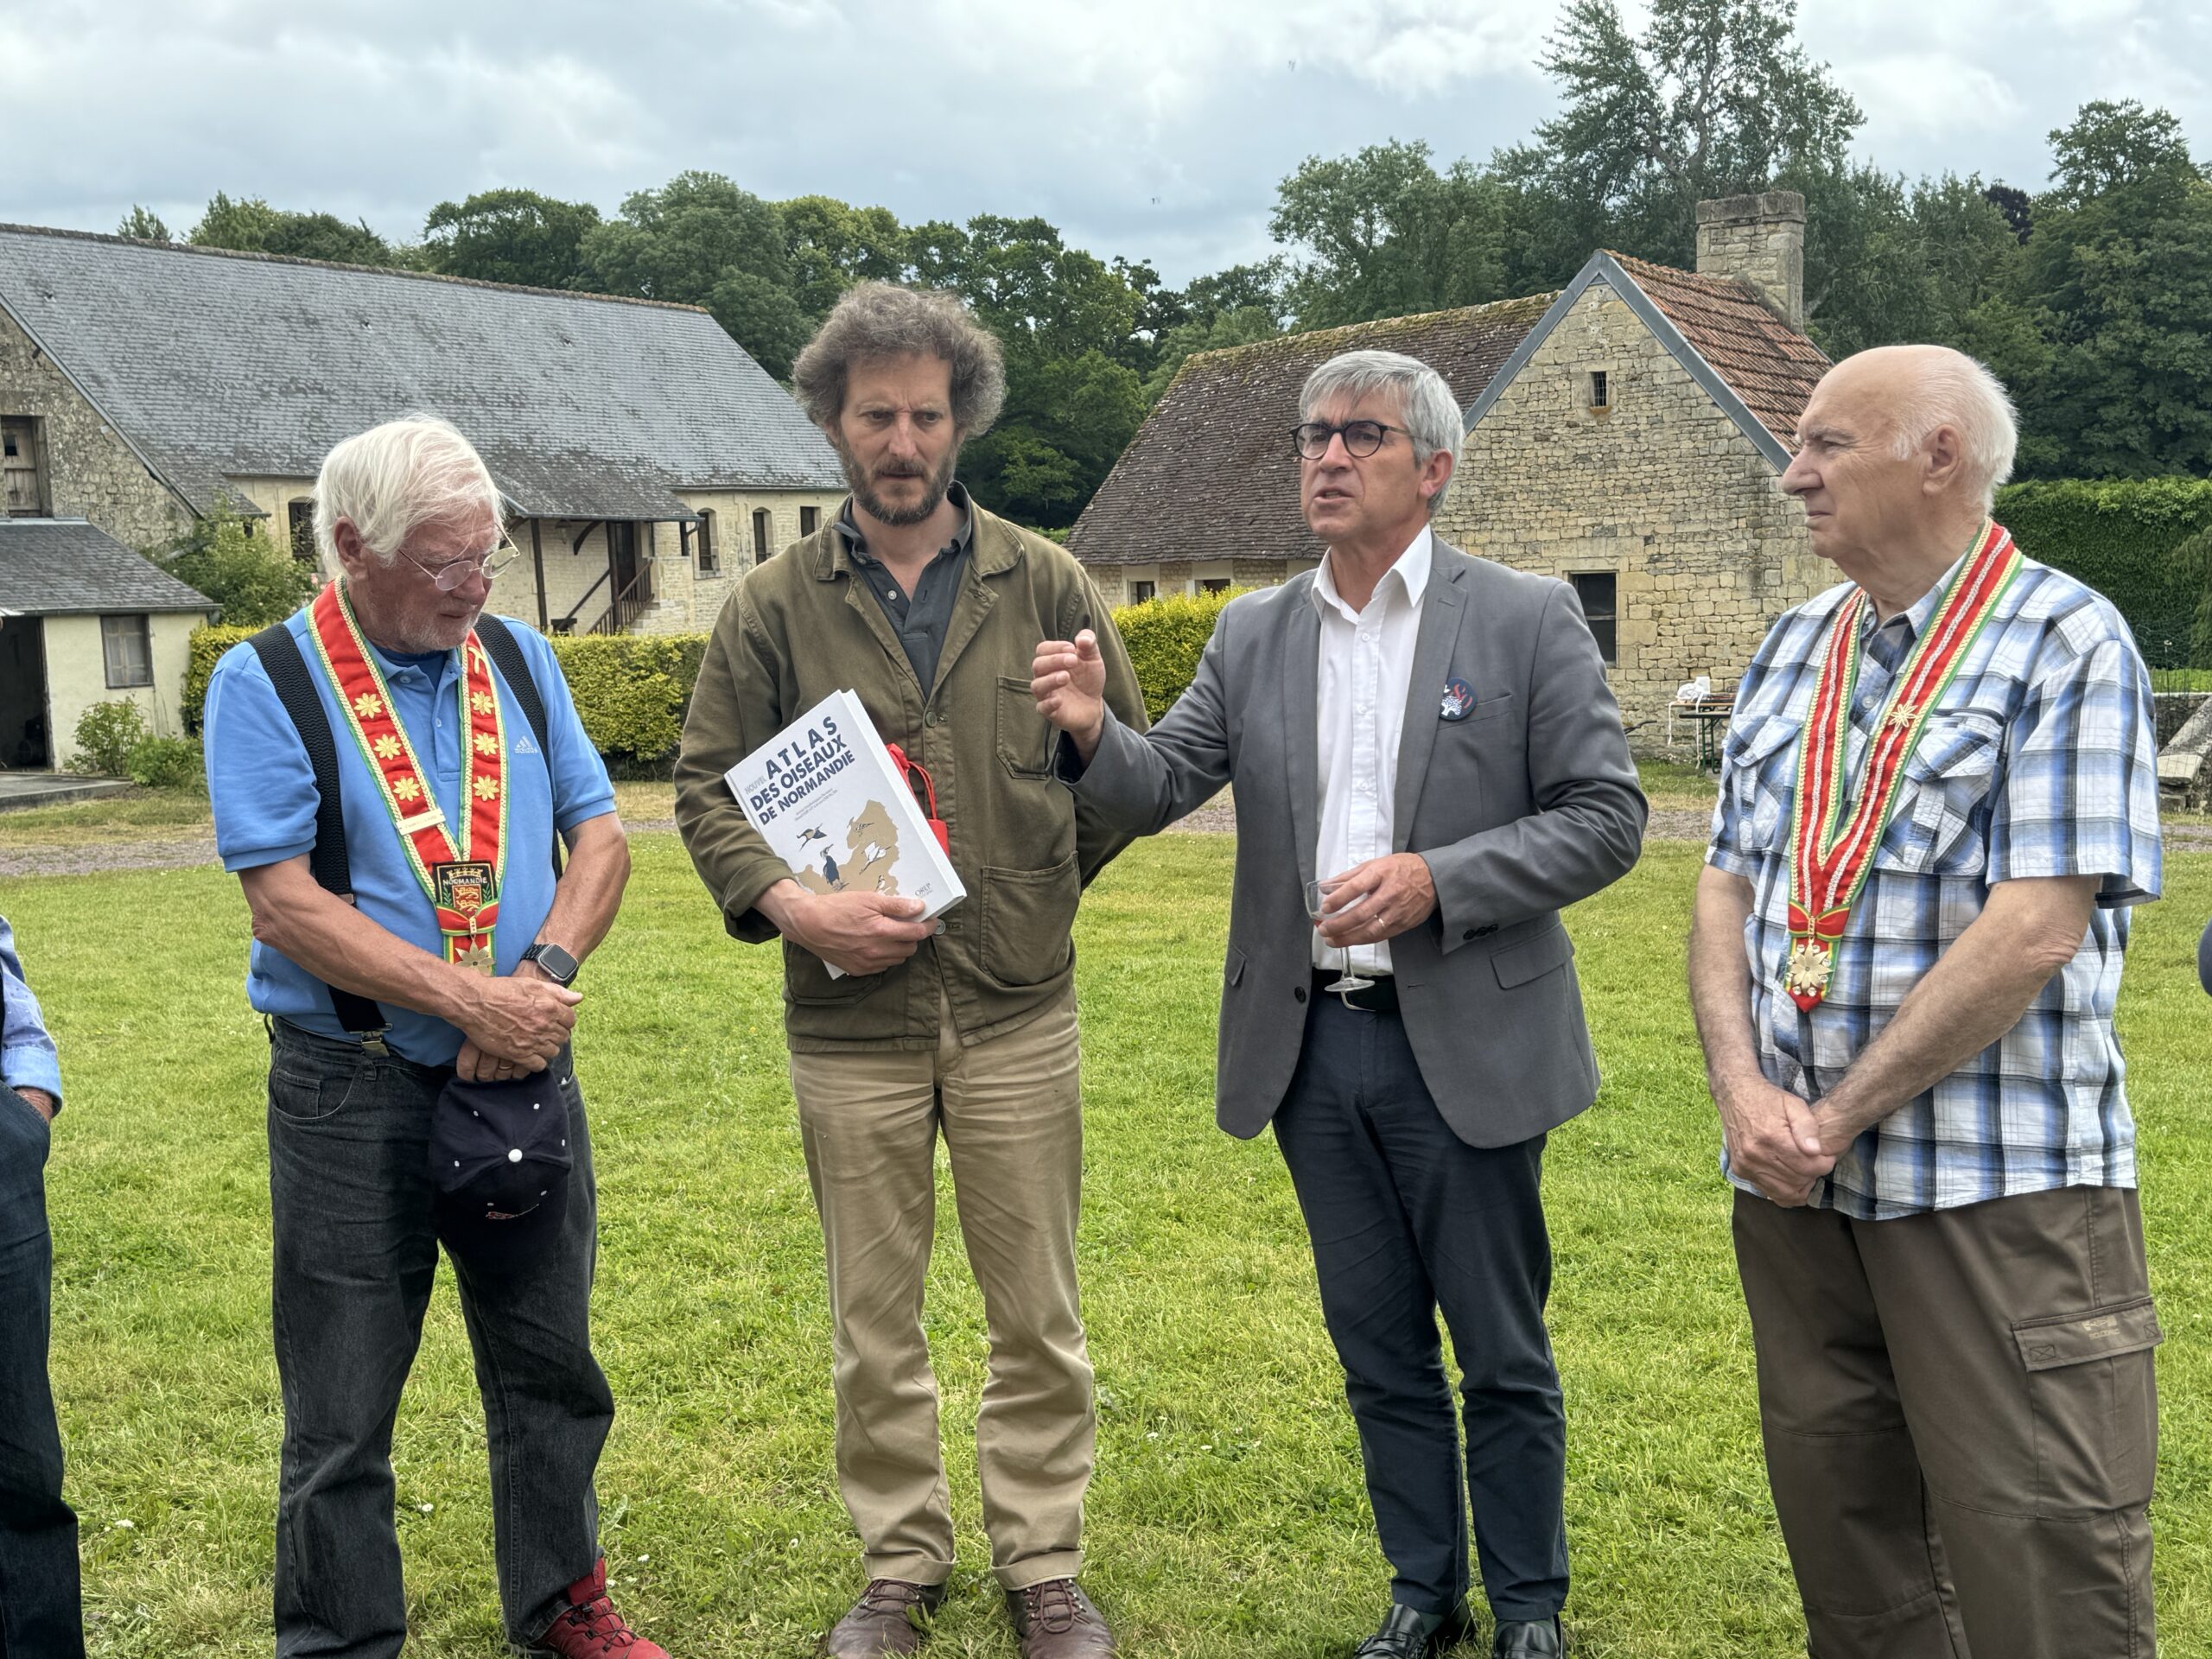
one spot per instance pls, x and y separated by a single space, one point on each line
1939 799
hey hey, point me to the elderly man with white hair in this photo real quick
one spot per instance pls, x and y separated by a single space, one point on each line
1939 800
1423 742
390 771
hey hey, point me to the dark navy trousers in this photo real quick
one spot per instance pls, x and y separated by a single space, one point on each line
39 1612
1408 1220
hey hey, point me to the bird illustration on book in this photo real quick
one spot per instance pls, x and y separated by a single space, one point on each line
871 857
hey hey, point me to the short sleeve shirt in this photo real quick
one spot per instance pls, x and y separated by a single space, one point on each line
263 790
2039 759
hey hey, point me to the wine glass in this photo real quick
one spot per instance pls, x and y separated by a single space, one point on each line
1317 894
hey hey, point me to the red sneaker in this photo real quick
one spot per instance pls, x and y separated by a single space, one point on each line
591 1629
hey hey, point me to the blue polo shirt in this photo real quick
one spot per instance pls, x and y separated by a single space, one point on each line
262 789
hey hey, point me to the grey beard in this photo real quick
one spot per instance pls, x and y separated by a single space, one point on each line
882 512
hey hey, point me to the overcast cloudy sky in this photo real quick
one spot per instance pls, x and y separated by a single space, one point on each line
1152 128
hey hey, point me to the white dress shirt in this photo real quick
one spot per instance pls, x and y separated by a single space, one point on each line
1366 673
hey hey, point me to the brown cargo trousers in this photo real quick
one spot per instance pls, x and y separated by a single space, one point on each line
1011 1110
1960 1423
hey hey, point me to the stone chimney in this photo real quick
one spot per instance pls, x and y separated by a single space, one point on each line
1762 239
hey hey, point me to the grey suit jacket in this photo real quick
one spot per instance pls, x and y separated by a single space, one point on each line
1526 804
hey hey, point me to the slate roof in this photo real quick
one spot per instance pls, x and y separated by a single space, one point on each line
52 567
1212 473
1768 364
215 365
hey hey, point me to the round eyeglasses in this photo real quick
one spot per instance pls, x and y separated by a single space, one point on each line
1362 438
450 575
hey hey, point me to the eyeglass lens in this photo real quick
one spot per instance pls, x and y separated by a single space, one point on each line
451 575
1362 438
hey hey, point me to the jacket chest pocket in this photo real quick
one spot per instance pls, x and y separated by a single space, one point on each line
1940 826
1023 736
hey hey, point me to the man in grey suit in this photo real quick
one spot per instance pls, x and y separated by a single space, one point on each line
1431 736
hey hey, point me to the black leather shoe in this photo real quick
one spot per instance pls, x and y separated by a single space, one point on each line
1408 1635
1527 1639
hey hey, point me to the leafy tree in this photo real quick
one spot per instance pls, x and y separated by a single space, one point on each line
2120 264
251 226
1385 235
1715 98
831 246
244 225
510 236
1257 287
255 582
700 240
144 223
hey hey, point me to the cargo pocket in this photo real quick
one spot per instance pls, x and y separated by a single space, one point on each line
2092 1389
1025 737
1024 918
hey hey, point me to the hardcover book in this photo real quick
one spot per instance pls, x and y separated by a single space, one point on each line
833 805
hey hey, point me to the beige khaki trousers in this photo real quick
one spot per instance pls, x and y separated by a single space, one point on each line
1960 1422
1010 1110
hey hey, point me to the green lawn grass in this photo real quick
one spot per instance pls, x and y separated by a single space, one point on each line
1228 1517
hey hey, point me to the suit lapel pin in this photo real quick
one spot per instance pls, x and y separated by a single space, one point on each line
1459 700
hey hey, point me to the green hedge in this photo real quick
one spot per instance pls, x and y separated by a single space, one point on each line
1165 636
2122 536
2181 679
630 690
208 645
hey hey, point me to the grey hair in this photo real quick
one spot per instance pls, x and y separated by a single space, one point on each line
1952 390
880 320
1425 401
388 482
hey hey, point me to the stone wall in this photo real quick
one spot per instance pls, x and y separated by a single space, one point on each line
91 472
1762 239
1661 489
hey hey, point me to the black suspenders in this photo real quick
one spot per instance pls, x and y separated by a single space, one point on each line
294 682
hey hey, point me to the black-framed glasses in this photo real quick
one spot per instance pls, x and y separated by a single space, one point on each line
1362 438
450 575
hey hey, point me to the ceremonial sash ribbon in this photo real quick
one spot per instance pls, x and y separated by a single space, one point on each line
462 883
1831 853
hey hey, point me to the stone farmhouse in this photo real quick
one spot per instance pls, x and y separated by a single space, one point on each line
645 460
1625 434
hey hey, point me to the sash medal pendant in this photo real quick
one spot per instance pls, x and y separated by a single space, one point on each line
1831 853
462 883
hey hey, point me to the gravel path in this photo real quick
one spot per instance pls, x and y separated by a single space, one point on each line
1218 818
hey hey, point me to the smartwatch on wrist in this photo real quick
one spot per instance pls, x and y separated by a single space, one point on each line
554 963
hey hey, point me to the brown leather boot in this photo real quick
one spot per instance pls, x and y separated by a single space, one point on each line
890 1617
1055 1620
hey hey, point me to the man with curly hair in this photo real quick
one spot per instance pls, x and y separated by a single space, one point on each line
928 607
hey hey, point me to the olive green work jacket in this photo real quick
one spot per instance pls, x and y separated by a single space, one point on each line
804 625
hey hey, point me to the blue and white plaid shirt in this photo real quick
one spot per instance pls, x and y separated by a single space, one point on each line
2039 759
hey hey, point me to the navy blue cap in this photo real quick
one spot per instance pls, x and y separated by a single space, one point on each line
499 1164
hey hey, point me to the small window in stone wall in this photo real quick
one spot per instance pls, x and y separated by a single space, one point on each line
1141 591
810 520
1213 584
128 645
299 517
1595 589
710 558
23 480
760 536
1600 388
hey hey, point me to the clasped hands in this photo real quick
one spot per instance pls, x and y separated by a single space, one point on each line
1774 1141
512 1025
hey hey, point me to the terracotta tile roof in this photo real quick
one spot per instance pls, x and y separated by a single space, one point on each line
1212 473
1768 364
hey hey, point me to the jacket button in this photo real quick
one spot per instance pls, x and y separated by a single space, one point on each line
1485 930
1469 934
1299 993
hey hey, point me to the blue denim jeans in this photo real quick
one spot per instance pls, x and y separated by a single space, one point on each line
349 1186
39 1614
